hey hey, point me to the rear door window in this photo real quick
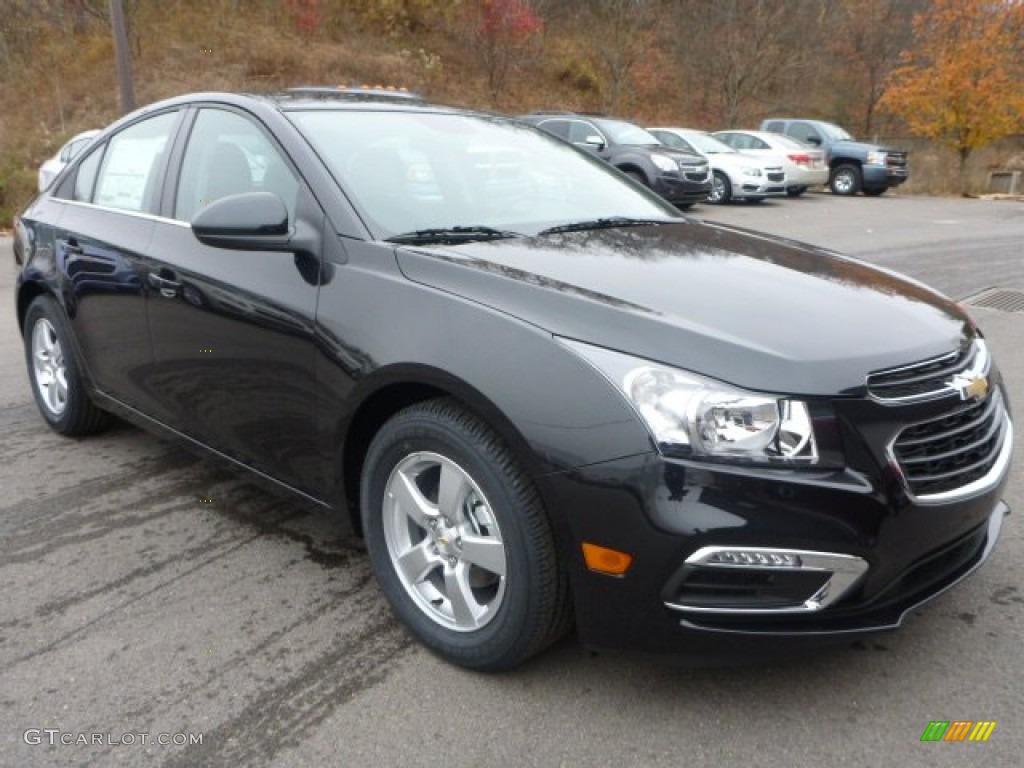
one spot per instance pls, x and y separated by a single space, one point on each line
558 127
132 169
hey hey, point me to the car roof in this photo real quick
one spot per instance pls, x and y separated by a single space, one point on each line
310 98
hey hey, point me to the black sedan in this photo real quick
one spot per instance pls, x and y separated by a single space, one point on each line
543 395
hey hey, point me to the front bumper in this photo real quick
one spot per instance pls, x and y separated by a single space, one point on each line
884 175
759 186
663 511
677 189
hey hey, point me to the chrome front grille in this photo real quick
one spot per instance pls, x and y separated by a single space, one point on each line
952 451
695 172
928 378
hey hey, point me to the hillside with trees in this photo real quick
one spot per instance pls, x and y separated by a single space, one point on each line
699 63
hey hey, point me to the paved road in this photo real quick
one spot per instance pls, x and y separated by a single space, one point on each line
959 246
129 605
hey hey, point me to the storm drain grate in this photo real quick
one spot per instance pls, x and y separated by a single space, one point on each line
998 298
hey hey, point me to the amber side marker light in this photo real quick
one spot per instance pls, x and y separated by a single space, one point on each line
604 560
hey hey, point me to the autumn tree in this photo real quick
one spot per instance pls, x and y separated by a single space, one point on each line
740 53
623 34
866 38
306 15
504 32
962 83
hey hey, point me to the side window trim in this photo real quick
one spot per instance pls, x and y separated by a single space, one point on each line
172 175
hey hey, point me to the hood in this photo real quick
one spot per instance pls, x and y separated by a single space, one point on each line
661 149
749 309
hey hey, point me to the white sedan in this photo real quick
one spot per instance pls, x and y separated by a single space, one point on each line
735 175
48 171
805 165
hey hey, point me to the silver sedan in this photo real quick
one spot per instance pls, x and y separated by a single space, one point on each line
805 165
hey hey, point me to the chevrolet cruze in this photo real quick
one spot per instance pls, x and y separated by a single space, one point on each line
544 396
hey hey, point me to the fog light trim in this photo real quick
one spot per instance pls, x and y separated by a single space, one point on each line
845 570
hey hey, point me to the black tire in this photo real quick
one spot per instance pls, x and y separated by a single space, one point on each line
795 191
721 189
532 598
875 191
845 180
684 206
74 415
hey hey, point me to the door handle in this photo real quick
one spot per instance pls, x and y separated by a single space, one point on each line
168 288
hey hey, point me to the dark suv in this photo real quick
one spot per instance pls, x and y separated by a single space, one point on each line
680 177
854 166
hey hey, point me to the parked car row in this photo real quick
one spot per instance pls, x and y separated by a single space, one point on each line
785 157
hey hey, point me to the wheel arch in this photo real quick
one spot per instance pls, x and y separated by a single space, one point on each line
835 162
29 291
631 167
386 393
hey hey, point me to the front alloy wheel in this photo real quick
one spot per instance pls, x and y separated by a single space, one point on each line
444 542
458 539
846 180
721 189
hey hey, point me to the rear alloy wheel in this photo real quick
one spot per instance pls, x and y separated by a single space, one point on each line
721 189
846 180
458 539
796 191
57 382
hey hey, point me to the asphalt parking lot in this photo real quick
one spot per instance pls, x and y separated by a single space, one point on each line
146 591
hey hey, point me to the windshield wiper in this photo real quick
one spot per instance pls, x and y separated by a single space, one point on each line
610 222
451 235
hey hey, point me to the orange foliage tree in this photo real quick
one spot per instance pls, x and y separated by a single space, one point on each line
962 83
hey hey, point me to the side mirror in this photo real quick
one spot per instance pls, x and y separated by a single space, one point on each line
814 139
593 141
253 221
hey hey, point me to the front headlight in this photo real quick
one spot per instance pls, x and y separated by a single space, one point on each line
691 415
664 162
876 158
750 170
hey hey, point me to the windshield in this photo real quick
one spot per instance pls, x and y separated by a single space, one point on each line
834 132
621 132
708 144
413 171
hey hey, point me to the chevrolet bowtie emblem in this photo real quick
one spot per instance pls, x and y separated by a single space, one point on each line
970 386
